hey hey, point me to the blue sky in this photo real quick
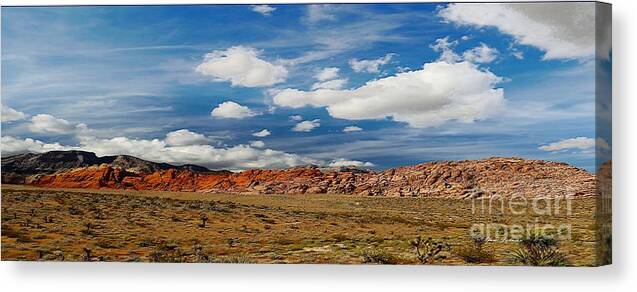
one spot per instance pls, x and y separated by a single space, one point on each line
192 84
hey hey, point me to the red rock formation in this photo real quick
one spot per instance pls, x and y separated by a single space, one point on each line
453 179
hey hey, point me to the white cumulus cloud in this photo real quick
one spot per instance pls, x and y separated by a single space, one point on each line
561 30
445 48
232 110
331 84
45 123
10 114
241 66
350 163
440 92
262 133
257 144
481 54
306 126
350 129
185 137
327 74
13 146
579 143
233 158
327 78
370 66
266 10
177 148
296 118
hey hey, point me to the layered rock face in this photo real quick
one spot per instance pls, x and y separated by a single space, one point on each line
75 166
450 179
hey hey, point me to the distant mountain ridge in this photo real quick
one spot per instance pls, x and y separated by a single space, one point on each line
496 176
57 161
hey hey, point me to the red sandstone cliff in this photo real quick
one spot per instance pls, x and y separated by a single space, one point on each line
454 179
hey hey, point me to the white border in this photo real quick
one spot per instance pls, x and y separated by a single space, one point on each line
622 275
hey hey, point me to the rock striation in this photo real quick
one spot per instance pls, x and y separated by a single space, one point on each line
494 176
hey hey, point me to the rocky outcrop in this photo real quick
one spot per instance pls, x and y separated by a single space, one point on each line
449 179
49 162
60 161
452 179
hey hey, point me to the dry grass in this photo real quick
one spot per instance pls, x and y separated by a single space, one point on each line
95 225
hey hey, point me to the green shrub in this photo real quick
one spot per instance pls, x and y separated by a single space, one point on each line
204 219
538 250
430 250
200 255
472 255
167 252
475 253
374 256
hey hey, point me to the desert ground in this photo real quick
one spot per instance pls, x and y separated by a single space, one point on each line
148 226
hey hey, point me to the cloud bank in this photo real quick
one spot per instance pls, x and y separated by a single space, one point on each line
177 147
166 150
438 93
12 146
560 30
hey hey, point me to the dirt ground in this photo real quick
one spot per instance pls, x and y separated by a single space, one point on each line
108 225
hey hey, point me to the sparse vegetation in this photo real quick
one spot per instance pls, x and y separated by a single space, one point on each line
475 253
48 219
375 256
234 259
75 211
167 252
538 250
87 254
88 228
106 243
288 229
200 255
430 250
204 219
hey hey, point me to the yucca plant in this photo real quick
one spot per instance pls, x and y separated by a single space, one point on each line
430 250
538 250
475 253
